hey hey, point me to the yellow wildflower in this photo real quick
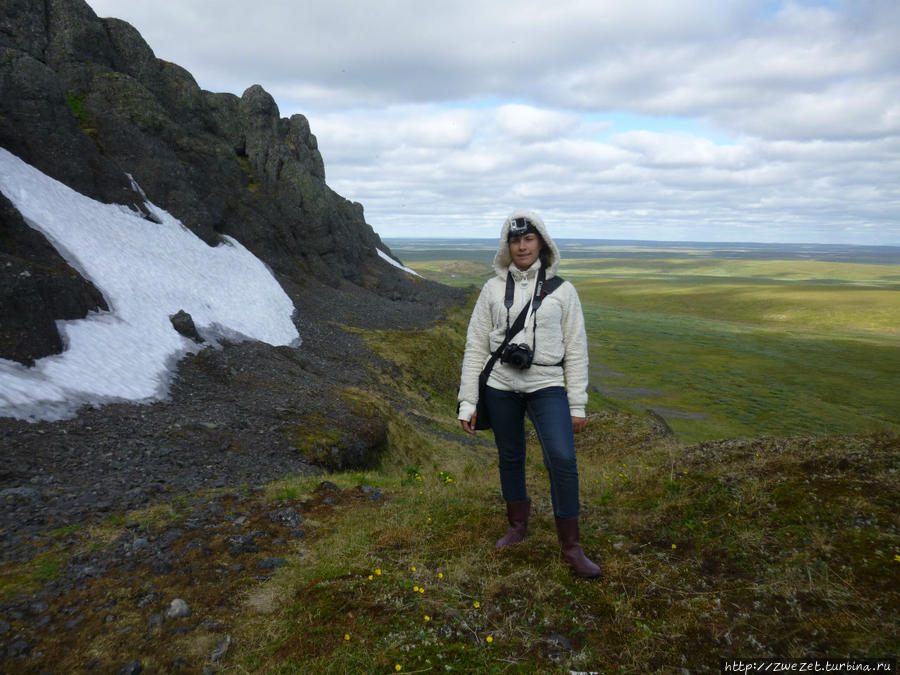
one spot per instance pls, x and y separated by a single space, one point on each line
489 638
346 636
476 604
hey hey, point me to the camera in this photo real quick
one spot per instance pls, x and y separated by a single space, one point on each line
517 356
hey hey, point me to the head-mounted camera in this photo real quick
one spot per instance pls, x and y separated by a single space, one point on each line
519 227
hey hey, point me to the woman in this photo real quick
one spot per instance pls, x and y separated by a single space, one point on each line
550 385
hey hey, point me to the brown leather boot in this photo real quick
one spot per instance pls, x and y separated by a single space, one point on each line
567 533
517 514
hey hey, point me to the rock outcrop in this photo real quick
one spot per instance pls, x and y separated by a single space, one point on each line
36 287
86 101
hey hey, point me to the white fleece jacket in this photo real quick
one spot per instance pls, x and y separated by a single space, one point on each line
560 334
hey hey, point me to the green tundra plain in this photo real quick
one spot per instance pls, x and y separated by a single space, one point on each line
726 347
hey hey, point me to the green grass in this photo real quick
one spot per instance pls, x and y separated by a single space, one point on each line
781 294
735 348
76 104
747 348
745 381
460 273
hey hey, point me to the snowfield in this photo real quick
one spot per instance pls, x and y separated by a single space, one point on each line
147 272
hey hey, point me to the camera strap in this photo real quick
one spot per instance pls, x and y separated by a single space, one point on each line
539 293
518 325
542 289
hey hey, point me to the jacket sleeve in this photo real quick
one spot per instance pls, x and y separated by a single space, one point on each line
576 361
478 349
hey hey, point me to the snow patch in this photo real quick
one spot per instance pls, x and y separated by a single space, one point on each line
147 271
385 256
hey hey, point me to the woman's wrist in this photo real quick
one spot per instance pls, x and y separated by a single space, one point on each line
466 410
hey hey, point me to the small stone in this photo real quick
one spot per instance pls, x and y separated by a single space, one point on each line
287 516
239 544
559 641
221 649
131 668
373 493
170 537
271 563
178 609
183 323
197 542
161 567
18 648
24 492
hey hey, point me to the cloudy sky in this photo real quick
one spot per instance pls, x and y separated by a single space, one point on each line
705 120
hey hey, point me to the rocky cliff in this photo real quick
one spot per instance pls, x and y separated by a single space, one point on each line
86 101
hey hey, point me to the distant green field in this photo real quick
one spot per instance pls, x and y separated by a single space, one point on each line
734 347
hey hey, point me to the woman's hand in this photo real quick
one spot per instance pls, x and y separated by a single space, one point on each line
578 424
469 427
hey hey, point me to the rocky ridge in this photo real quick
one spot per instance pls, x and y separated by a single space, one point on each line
86 101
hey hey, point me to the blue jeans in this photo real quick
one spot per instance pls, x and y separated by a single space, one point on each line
548 410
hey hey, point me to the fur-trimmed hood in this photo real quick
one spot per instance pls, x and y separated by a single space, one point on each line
503 259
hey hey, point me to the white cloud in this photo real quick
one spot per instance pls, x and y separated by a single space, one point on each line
460 111
527 123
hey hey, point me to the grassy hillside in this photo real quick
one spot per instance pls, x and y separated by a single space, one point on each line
769 547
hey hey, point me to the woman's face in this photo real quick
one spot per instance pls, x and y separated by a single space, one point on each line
525 250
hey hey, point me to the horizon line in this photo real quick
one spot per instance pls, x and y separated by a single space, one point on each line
652 241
